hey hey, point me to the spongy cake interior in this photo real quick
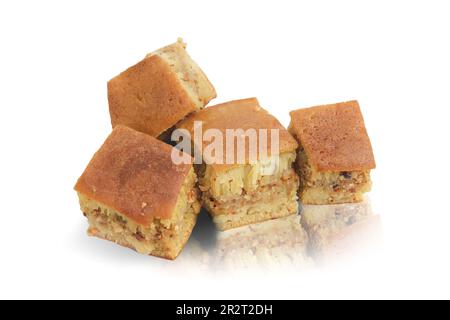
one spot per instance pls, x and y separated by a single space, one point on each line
244 195
163 237
191 77
328 187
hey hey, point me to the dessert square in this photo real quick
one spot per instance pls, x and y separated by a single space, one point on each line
241 194
335 154
133 194
153 95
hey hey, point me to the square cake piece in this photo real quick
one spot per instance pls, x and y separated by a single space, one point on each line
335 155
159 91
244 192
133 194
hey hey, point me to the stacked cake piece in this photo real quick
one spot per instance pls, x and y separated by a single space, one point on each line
248 167
131 192
264 184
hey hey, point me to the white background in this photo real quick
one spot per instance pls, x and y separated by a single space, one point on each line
55 60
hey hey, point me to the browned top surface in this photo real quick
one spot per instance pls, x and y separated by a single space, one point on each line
133 174
148 97
334 137
240 114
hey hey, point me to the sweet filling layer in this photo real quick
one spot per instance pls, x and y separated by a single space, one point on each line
330 187
163 237
245 179
284 189
275 200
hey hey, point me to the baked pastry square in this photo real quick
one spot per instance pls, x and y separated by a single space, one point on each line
133 194
159 91
242 193
335 154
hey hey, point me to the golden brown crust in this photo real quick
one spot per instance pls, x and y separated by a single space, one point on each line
239 114
148 97
191 76
133 174
334 137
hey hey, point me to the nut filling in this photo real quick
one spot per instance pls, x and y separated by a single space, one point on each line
162 238
318 187
274 198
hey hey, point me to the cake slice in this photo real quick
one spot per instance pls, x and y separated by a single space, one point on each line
335 155
153 95
243 192
132 194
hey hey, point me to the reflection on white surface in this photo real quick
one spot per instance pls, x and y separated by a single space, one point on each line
341 231
271 244
321 234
